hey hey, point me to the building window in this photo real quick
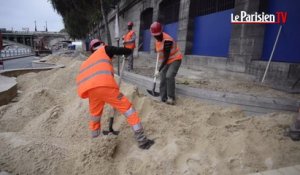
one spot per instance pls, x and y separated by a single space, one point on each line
169 11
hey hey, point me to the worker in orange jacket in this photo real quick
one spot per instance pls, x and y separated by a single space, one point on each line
129 42
96 82
170 56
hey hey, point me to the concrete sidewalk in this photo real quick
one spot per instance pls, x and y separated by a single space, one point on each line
219 87
251 104
215 79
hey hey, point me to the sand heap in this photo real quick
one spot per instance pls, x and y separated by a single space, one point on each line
46 132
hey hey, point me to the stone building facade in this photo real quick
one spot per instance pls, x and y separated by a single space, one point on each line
206 36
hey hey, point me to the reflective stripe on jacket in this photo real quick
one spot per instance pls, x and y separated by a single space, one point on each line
175 53
129 40
96 71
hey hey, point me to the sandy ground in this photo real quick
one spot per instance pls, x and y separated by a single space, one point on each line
45 131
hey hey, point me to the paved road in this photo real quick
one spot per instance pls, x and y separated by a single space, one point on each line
19 63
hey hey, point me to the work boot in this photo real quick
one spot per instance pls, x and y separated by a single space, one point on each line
143 141
171 101
95 133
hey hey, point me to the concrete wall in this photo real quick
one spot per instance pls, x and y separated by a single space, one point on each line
246 41
280 74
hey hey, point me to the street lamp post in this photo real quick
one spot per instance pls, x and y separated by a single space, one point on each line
35 26
117 35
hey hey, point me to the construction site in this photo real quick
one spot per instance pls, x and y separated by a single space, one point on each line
237 101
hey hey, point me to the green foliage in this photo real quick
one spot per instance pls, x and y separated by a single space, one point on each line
80 16
63 31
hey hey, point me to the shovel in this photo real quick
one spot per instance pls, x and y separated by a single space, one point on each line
111 119
152 92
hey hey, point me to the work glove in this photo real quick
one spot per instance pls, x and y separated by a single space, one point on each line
156 74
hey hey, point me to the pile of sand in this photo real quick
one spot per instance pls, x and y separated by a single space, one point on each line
46 132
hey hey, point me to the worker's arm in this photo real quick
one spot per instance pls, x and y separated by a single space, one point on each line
167 50
112 50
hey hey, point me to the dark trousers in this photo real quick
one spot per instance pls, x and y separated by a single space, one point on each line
130 62
167 82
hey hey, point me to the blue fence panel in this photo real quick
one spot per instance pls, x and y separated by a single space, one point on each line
171 29
212 34
146 40
287 49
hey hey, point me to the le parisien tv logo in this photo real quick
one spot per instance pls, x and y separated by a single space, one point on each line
279 17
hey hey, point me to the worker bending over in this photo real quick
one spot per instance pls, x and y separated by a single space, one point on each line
170 56
96 82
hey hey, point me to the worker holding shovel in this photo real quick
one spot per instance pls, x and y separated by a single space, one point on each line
96 82
170 55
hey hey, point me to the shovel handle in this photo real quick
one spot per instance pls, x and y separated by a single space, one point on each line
156 64
154 85
122 70
111 121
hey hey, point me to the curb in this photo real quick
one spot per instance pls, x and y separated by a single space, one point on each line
252 104
8 89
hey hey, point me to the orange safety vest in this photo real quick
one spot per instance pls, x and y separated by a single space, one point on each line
96 71
127 38
175 53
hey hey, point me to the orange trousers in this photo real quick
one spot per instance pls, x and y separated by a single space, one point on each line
101 95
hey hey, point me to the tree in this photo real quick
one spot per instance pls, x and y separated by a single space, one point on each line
105 22
80 16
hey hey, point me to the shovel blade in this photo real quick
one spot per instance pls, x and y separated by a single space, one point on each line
153 93
111 132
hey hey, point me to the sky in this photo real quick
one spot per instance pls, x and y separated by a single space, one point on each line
19 14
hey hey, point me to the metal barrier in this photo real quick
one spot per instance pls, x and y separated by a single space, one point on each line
15 52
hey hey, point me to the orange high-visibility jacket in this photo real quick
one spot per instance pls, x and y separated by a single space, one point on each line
175 53
129 37
96 71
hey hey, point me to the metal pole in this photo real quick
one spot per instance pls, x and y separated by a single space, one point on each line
271 56
118 38
118 58
2 63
